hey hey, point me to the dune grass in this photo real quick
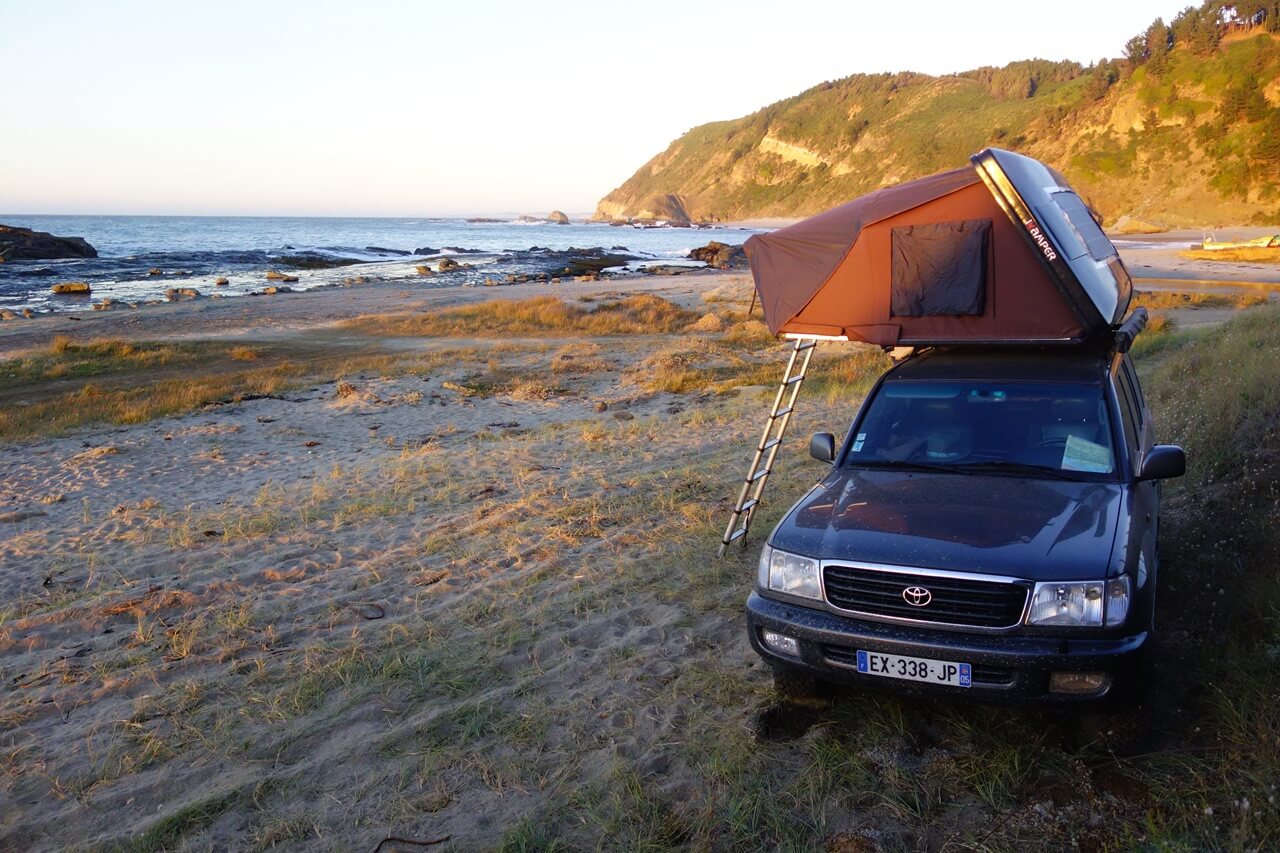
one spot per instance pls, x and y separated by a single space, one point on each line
639 314
489 698
121 382
67 359
1154 300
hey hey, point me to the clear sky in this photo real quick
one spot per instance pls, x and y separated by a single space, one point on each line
402 108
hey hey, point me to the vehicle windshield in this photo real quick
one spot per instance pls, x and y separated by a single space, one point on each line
1057 429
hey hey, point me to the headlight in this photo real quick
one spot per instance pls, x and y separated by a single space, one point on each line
789 573
1080 604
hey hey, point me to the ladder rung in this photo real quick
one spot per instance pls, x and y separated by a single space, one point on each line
763 472
770 444
794 379
781 412
737 534
748 505
802 347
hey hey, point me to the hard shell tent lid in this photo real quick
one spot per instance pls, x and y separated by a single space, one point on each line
1002 251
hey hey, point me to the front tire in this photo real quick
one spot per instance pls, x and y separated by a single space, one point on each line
796 686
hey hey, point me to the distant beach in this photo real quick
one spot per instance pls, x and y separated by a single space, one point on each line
142 257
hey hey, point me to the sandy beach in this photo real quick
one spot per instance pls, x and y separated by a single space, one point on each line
460 591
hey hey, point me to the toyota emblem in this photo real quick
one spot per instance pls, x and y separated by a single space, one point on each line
917 596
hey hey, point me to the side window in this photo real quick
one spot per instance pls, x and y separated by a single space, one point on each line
1127 408
1135 390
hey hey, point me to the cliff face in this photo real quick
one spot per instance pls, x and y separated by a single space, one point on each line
1193 140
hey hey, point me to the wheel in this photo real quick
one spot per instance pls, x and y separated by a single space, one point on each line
1123 732
793 685
1125 726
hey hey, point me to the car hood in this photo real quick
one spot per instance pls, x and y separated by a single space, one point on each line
1000 525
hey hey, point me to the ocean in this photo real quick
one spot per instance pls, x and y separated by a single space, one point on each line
141 257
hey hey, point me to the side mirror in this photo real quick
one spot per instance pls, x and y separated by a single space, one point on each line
1162 462
822 446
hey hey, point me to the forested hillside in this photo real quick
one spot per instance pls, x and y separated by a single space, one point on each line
1183 131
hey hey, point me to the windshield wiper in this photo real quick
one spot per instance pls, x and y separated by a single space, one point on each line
909 466
1018 467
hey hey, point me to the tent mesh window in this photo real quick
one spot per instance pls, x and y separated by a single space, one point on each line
940 268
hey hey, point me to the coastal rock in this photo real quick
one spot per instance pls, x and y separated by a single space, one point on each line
176 294
384 251
6 314
447 264
78 288
667 269
104 305
427 250
271 288
155 271
221 282
667 208
316 262
423 269
23 244
589 261
272 275
557 217
720 255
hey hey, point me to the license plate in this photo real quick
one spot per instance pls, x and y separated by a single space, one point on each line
915 669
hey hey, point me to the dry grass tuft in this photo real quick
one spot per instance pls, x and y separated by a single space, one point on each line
243 353
749 333
639 314
709 322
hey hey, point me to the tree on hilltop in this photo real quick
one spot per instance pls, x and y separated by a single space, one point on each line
1198 30
1158 42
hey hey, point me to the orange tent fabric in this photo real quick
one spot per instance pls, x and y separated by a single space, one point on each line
834 274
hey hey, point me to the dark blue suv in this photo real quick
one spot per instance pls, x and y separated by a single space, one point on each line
988 530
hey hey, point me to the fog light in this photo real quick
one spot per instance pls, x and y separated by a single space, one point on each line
1078 682
781 643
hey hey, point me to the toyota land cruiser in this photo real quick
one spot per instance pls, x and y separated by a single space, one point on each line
988 529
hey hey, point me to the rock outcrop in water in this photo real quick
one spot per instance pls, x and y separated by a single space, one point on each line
558 217
23 244
720 255
72 288
659 207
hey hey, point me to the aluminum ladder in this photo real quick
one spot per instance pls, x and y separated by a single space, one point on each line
767 450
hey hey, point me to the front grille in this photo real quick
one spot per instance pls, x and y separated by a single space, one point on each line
954 601
998 676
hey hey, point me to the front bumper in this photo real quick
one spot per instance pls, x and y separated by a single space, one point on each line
1006 668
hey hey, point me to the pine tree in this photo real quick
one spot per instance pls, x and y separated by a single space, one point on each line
1267 148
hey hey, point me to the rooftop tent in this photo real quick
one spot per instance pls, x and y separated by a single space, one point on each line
1001 251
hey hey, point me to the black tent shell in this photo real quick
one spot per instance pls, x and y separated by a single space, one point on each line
1080 258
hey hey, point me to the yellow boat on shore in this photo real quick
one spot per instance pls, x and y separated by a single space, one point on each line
1272 242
